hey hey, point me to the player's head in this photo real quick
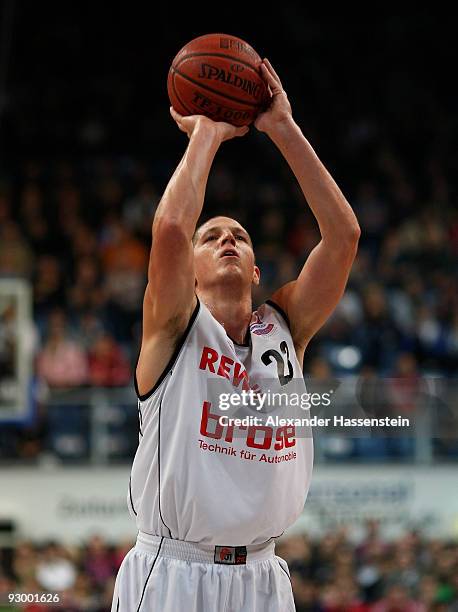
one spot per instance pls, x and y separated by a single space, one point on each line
223 252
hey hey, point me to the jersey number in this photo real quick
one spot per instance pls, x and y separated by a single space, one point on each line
266 358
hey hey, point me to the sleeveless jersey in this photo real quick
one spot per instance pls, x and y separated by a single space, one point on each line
194 476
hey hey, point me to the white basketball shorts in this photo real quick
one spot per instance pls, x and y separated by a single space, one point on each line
164 575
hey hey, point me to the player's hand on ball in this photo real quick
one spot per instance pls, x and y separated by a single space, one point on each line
224 131
279 109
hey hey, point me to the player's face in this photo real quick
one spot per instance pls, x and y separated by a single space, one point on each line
223 251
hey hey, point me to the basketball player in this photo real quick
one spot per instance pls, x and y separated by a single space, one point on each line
210 499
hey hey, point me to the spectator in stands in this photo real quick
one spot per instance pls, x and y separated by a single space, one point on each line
48 289
106 596
410 574
120 552
342 596
69 211
377 337
373 545
305 594
297 551
81 595
108 366
55 571
35 225
83 243
7 586
24 562
120 247
125 259
91 325
373 212
397 599
86 292
139 209
428 591
15 253
98 561
405 572
61 362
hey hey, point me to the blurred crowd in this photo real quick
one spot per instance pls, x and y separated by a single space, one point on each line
332 574
410 574
82 236
75 213
82 577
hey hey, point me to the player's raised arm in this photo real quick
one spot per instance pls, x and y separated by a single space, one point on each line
169 297
310 299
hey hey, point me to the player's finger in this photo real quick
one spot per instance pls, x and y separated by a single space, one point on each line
175 115
241 131
274 85
268 78
272 71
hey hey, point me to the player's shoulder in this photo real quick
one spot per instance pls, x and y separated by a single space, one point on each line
159 353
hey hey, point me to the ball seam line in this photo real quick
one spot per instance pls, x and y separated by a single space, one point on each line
230 57
185 106
214 91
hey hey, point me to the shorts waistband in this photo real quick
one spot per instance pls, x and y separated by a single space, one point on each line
197 553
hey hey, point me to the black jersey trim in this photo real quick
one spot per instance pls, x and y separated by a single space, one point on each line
280 312
284 571
159 468
172 359
130 495
140 419
149 574
275 537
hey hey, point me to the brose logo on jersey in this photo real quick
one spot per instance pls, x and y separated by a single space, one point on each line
260 437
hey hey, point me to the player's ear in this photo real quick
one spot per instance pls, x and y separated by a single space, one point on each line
256 275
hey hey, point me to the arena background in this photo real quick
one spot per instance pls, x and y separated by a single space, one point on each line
87 147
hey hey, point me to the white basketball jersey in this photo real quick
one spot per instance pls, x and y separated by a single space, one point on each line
196 479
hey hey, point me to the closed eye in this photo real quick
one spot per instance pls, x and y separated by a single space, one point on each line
208 238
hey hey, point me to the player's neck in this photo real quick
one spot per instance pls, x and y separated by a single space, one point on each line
232 311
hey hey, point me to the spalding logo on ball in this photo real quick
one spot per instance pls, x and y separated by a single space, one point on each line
219 76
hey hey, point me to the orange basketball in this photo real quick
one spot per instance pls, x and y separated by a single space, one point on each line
219 76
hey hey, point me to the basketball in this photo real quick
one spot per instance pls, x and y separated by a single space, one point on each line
219 76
